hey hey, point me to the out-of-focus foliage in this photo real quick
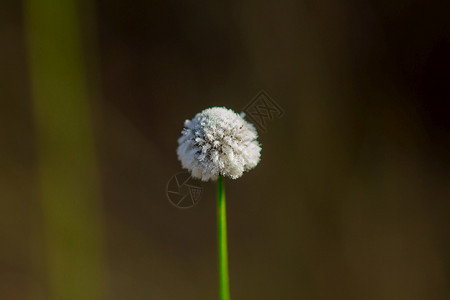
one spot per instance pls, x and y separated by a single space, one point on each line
350 200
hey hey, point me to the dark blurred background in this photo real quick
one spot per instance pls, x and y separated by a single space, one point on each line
350 199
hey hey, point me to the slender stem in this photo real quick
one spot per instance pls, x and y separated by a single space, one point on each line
224 285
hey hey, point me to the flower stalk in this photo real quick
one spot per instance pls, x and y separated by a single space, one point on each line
224 286
215 144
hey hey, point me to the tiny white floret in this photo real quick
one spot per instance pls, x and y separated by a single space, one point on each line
218 141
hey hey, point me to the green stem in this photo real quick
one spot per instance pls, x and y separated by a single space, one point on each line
224 285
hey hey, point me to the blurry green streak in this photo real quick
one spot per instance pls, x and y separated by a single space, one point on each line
68 175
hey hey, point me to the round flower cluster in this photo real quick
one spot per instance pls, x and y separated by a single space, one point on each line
218 141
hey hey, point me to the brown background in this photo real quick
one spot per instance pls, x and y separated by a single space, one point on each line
351 198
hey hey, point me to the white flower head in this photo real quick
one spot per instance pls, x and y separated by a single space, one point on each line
216 142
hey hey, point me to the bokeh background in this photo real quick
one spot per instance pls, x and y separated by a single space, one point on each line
350 200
